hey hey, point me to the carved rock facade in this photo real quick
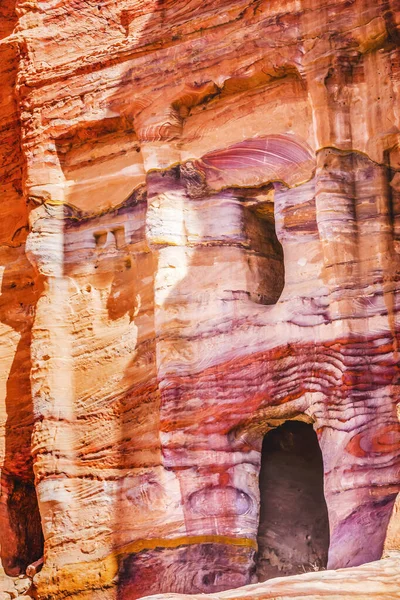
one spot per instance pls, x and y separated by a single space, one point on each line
200 250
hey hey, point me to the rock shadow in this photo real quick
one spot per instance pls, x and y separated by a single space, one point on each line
22 537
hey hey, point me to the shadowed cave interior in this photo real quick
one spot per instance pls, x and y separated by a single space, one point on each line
293 534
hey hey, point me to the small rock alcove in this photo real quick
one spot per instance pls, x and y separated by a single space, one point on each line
293 534
265 254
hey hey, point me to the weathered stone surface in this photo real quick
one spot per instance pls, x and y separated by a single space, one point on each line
199 243
377 580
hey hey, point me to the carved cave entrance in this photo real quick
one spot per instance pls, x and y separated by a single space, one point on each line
293 534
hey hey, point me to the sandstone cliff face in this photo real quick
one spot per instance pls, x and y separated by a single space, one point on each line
200 241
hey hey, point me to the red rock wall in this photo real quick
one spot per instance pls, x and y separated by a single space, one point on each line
212 250
21 540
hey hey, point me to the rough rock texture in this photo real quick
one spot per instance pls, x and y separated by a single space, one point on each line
21 539
377 580
200 241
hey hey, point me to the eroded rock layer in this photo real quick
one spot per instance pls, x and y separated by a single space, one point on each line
200 242
375 580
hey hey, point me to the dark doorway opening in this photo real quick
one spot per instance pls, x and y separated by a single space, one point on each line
293 534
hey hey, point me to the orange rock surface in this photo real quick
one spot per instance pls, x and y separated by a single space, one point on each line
199 309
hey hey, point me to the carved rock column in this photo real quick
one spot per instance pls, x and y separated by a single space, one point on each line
209 542
359 433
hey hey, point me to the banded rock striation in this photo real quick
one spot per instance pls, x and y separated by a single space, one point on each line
199 304
381 577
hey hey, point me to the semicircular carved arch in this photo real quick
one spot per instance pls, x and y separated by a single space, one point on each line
258 161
